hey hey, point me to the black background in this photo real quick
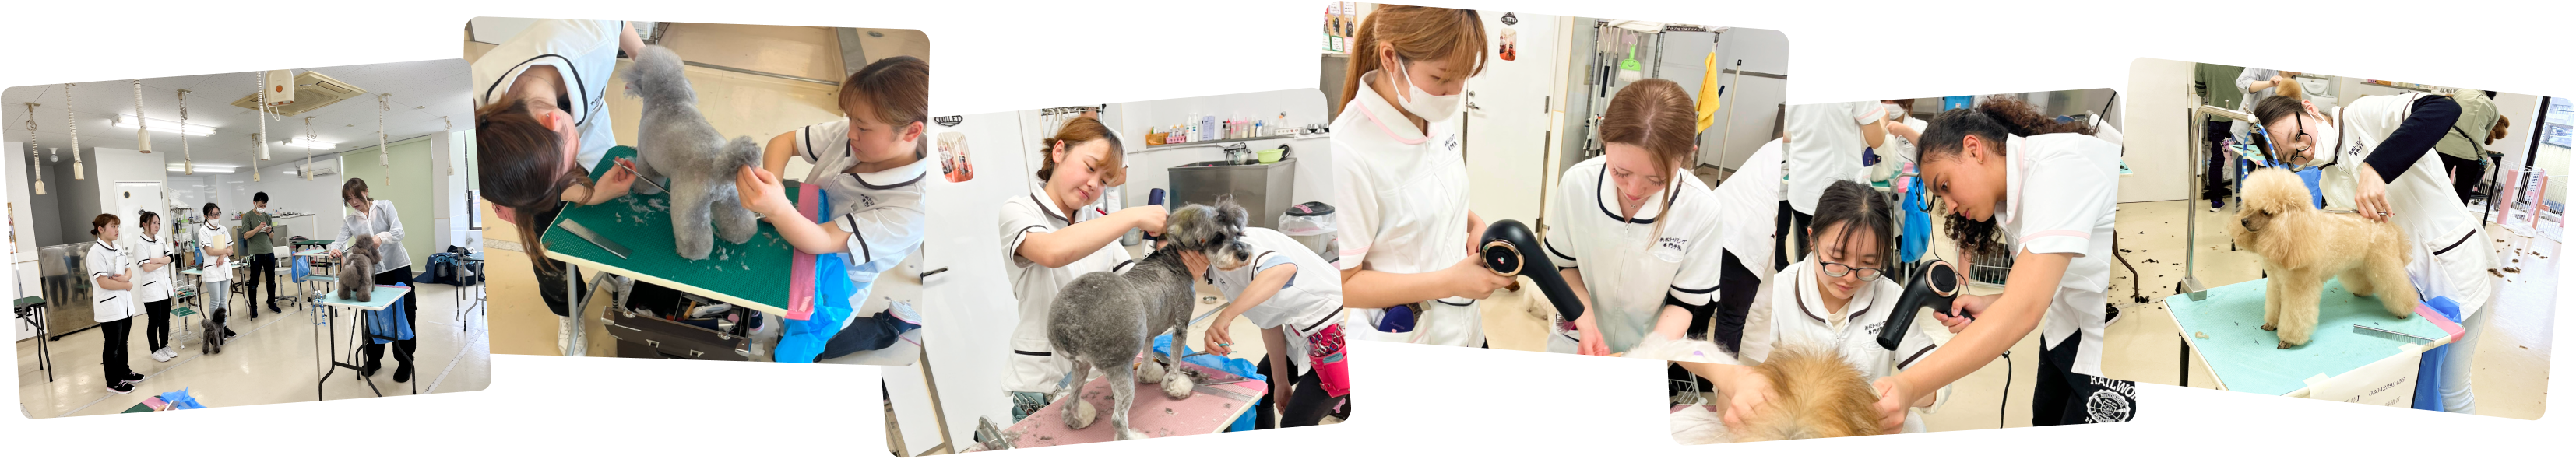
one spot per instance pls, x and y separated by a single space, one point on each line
1425 401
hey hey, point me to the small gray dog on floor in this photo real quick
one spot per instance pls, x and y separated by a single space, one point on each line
1105 319
675 141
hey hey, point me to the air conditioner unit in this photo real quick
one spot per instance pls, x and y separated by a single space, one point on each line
312 90
315 170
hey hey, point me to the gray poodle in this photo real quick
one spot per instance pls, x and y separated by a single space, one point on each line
1105 319
675 141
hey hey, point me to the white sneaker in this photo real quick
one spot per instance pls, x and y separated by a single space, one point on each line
164 355
902 310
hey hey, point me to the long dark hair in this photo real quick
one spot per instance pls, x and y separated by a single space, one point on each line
1992 122
1858 208
522 169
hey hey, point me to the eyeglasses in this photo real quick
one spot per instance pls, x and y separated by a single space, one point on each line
1840 270
2301 140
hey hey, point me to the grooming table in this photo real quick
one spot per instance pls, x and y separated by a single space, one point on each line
384 296
2243 357
752 274
32 310
1210 408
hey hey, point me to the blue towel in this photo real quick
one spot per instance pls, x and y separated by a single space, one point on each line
1918 224
387 325
180 400
2428 375
1239 367
805 339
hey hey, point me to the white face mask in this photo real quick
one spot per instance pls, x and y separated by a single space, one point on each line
2326 138
1895 112
1423 104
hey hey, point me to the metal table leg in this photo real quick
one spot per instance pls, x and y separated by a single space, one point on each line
2186 361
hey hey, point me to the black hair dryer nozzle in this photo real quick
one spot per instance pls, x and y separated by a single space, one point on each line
1511 249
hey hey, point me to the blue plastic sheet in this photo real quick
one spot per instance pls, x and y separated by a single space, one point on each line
805 339
180 400
2428 374
387 325
1239 367
1918 224
303 267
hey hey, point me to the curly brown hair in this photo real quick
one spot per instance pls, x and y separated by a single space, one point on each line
1994 120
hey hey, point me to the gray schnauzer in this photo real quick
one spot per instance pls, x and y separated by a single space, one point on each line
675 141
1104 320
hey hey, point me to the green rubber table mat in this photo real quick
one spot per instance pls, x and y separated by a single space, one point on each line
751 274
2244 357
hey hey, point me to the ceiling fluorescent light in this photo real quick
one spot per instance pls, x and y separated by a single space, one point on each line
204 168
127 122
316 145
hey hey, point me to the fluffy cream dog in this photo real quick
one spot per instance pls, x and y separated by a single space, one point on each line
1815 395
2302 247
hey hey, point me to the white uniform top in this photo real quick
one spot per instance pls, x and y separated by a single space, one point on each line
154 285
2452 258
1896 152
585 52
1311 300
1799 319
1403 194
1630 270
212 236
1752 205
2059 198
105 260
1034 366
881 210
1825 145
2245 83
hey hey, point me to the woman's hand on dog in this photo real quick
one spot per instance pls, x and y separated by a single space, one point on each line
1470 279
1893 397
760 191
1150 219
2370 196
1975 305
1752 395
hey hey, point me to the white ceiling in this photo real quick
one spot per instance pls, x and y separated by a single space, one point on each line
422 91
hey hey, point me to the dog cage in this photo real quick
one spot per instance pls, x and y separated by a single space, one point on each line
1990 270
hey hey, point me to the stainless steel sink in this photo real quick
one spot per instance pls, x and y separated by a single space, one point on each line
1262 189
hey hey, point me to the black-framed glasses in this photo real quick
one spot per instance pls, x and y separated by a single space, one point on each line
1840 270
2300 140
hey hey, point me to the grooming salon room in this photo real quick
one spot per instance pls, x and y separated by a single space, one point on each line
2259 265
244 238
615 276
1054 203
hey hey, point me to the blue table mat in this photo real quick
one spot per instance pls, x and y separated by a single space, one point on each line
2244 357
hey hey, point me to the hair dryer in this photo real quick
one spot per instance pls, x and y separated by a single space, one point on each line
1510 249
1934 285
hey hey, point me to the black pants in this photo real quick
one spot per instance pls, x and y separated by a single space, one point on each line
550 273
866 333
1306 407
2064 397
2465 175
2213 177
411 316
263 270
1792 224
156 325
1737 288
112 352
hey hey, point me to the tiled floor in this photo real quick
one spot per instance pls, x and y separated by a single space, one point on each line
2512 362
273 360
